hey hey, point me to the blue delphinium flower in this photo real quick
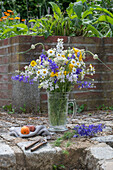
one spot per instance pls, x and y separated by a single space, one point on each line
22 79
90 130
53 65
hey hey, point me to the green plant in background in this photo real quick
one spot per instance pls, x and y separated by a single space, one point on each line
81 108
58 167
9 108
70 108
103 107
23 109
80 18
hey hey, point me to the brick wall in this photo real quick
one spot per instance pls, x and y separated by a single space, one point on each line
11 61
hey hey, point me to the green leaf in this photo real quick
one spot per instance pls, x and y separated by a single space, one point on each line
101 9
108 34
86 13
56 9
104 18
94 31
9 30
46 34
81 0
71 12
32 20
78 6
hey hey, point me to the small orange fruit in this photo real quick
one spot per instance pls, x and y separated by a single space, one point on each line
25 130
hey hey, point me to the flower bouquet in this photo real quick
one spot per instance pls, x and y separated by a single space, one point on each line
58 70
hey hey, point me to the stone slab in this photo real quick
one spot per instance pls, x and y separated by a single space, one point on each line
42 158
107 165
7 157
106 139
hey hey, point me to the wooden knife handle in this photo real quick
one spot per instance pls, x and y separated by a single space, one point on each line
36 147
33 143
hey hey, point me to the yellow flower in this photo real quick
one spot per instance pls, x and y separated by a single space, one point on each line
80 58
71 66
33 63
65 72
66 62
63 56
75 50
53 74
17 17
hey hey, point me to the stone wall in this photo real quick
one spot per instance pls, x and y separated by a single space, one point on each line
11 61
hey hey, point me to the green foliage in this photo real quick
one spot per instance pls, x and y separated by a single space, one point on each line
67 135
70 108
58 167
23 109
81 108
80 18
58 142
103 107
11 26
9 108
65 152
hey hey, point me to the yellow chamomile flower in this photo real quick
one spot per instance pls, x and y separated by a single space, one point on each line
33 63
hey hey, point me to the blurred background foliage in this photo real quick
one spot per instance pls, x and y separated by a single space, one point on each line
58 17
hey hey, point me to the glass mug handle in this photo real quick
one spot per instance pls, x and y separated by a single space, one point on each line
73 101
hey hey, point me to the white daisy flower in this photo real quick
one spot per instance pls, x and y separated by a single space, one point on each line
73 62
44 72
74 70
51 53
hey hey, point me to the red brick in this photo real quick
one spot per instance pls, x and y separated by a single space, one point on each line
10 86
6 41
5 94
14 58
109 58
107 40
50 39
85 40
5 102
15 40
4 78
24 47
25 38
3 68
2 51
1 42
43 96
3 86
13 67
1 60
5 59
10 49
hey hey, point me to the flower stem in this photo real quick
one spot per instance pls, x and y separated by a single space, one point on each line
99 60
31 48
